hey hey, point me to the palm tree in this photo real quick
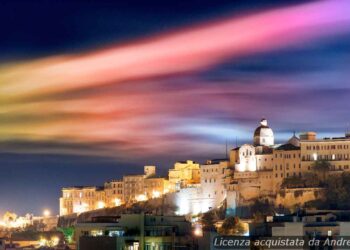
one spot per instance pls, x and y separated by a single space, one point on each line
321 167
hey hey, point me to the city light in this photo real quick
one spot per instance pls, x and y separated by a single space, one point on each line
54 241
11 220
46 213
100 204
43 242
156 194
117 202
80 208
141 197
198 230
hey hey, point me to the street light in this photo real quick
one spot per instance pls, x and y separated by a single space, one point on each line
46 213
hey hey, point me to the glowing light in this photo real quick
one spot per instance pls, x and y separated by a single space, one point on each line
43 242
156 194
198 231
11 220
117 202
314 156
55 240
46 213
80 208
141 197
100 204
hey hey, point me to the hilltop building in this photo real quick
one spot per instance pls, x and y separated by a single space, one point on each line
130 189
258 170
184 174
252 171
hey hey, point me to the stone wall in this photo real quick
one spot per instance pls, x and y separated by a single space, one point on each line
297 196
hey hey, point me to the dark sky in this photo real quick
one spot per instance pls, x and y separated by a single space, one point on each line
91 90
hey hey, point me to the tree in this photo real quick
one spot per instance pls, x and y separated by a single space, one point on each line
338 191
68 233
208 220
232 226
321 167
260 209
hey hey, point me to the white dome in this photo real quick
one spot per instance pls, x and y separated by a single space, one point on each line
263 135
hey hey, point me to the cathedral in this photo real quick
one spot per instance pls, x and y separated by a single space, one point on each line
259 169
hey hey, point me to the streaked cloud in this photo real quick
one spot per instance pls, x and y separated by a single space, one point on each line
193 86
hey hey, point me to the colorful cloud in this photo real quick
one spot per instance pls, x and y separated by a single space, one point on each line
149 96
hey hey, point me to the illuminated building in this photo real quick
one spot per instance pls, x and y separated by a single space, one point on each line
133 187
135 231
155 187
286 162
184 174
80 199
212 181
143 187
263 135
115 192
310 223
258 170
253 171
334 150
208 194
130 189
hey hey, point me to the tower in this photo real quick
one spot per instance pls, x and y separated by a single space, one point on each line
263 135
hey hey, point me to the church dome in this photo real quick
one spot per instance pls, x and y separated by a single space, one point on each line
295 141
263 135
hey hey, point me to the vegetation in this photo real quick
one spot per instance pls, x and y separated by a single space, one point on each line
309 179
321 168
293 182
337 193
209 218
232 226
68 233
208 221
260 209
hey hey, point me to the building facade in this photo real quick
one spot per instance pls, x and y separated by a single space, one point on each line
135 231
130 189
259 169
252 171
183 174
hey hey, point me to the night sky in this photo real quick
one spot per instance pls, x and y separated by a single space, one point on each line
92 90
